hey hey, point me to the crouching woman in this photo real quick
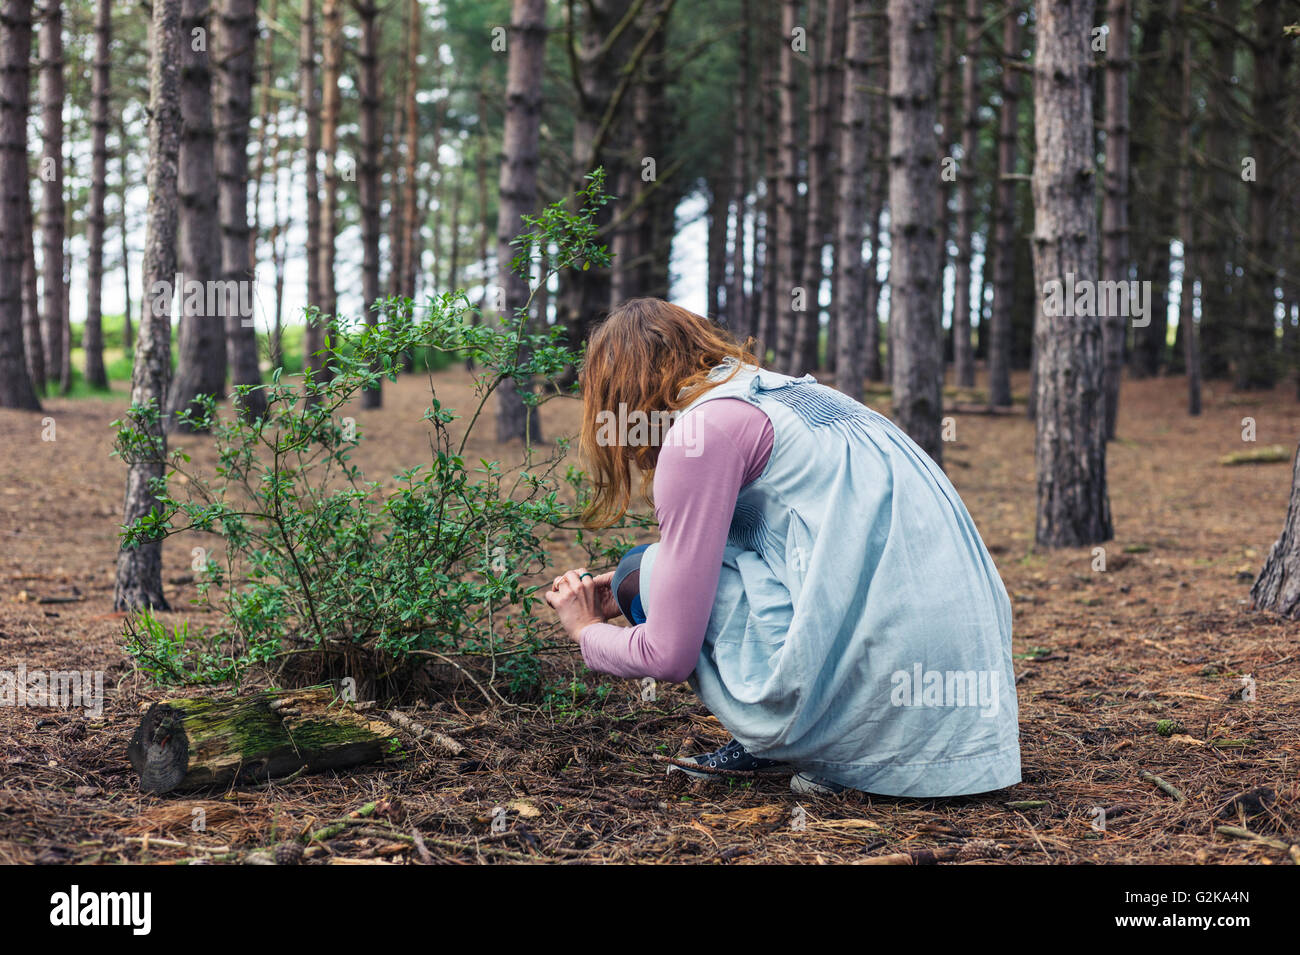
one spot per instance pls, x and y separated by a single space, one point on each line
817 579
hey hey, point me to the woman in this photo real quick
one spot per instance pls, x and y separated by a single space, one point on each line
817 578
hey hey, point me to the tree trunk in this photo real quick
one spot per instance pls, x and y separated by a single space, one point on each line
92 341
16 390
518 188
820 178
1153 215
766 320
1187 229
718 189
485 224
963 356
139 569
52 206
848 290
837 27
916 358
128 338
236 43
877 188
785 274
613 44
1004 226
1114 208
945 69
738 304
1257 357
395 216
188 744
201 342
368 176
457 198
331 69
1220 286
266 82
309 103
410 195
1278 586
31 299
1070 449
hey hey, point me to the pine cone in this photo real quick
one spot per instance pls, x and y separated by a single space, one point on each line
288 853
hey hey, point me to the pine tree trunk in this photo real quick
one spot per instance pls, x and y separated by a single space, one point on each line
16 390
716 252
1219 283
1114 208
410 194
1187 230
837 27
877 188
1257 357
785 274
92 341
767 320
31 299
52 206
368 176
1070 449
1004 226
945 69
738 303
309 103
820 177
916 359
607 60
139 569
1278 586
331 69
963 355
201 342
396 218
848 298
266 82
518 186
457 198
236 43
1153 217
124 234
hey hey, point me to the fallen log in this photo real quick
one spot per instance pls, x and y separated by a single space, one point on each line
193 744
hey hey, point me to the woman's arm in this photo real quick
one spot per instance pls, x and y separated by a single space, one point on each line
696 485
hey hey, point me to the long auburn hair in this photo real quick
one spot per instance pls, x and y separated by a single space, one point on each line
649 356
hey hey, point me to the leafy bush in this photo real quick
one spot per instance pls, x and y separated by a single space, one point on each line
321 573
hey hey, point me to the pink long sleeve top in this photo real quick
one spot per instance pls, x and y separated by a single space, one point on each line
724 446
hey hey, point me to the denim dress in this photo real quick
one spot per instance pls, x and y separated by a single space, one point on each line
860 630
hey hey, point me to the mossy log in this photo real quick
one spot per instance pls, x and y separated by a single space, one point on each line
194 744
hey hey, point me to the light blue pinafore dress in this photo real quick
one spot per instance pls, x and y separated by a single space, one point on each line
860 629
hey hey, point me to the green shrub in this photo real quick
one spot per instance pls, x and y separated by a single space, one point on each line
321 573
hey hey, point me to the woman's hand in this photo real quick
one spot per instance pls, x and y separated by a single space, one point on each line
581 599
609 607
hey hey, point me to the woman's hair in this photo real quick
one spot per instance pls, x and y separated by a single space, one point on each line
647 356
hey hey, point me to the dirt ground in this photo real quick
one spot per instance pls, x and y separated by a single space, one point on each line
1165 633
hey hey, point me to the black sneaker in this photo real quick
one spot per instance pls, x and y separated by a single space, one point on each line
732 758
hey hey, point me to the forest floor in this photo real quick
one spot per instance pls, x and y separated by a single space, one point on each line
1165 633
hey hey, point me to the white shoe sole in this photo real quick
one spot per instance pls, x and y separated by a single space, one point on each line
806 785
